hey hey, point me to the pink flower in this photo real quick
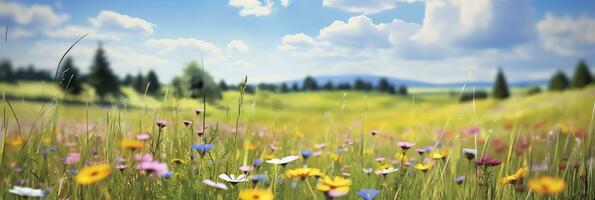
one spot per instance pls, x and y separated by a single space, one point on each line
121 167
143 157
214 184
187 122
198 111
143 136
405 145
72 158
161 123
153 167
245 169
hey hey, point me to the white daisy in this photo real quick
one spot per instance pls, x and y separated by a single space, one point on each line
27 192
386 171
283 161
233 179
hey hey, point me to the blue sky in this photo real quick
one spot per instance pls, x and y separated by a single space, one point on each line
275 40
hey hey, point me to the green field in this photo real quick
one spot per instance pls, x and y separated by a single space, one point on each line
299 121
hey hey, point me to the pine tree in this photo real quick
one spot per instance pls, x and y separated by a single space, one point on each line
582 75
140 84
500 90
284 88
383 85
153 83
295 87
128 80
6 73
101 76
558 82
402 90
70 78
328 86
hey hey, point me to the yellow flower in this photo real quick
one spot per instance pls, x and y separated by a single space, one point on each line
424 167
515 177
256 194
248 145
93 174
336 185
132 144
177 161
547 185
336 157
401 157
303 173
439 155
384 166
563 127
16 141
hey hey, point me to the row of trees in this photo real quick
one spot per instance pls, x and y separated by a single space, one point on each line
559 81
29 73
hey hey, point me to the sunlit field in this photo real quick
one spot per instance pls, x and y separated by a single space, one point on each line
309 145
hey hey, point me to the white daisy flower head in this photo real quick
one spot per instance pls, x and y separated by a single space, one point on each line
233 179
28 192
282 161
386 171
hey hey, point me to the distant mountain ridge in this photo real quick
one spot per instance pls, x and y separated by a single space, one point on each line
337 79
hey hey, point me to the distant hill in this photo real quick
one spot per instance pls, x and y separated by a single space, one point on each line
409 83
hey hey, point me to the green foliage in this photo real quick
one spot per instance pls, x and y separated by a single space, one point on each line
6 73
284 88
328 86
582 76
468 96
402 90
310 84
139 83
384 85
223 86
558 82
101 76
534 90
154 86
128 80
70 77
197 83
500 90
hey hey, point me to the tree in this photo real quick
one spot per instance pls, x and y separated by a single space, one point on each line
70 78
295 87
199 83
310 84
128 80
402 90
500 90
154 87
558 82
582 76
139 83
6 73
178 87
101 76
223 86
284 88
383 85
328 86
344 86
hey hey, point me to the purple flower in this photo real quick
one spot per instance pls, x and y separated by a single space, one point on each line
72 158
421 151
258 177
121 167
245 169
161 123
143 136
470 153
187 122
368 194
488 162
256 163
405 145
202 149
472 130
306 154
143 157
459 180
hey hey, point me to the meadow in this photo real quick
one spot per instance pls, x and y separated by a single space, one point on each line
304 145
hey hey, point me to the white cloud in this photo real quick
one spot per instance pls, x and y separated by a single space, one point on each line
360 6
35 15
237 46
285 3
73 31
16 33
253 7
241 63
567 36
110 20
358 32
198 47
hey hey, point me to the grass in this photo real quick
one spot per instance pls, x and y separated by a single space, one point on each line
555 126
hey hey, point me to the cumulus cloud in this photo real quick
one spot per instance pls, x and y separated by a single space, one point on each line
567 36
110 20
200 47
285 3
359 6
237 46
253 7
35 15
73 31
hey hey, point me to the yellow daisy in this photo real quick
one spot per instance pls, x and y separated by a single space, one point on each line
256 194
132 144
547 185
93 174
520 173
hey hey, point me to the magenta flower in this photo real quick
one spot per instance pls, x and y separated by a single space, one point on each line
488 162
472 130
72 158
